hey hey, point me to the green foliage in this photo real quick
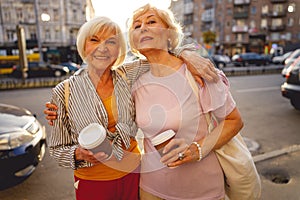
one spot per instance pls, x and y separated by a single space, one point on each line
209 37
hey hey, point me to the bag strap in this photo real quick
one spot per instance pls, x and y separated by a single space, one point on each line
67 94
194 86
211 120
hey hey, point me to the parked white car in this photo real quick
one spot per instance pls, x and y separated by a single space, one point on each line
282 58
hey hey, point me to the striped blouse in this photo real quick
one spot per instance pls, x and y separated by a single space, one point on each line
85 107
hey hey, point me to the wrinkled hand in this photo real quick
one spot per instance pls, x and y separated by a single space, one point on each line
200 67
50 113
86 155
191 154
171 153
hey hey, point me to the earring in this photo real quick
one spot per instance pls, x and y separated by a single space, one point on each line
169 44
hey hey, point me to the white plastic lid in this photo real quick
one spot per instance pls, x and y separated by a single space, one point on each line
91 136
162 137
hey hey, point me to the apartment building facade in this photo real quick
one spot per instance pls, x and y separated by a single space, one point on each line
57 26
243 25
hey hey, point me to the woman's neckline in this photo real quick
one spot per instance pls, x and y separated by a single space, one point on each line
170 75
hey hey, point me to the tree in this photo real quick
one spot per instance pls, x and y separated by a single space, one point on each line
209 37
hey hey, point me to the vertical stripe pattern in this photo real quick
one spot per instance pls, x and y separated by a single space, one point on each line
86 107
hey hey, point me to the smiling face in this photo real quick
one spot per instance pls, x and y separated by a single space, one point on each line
101 32
102 49
149 32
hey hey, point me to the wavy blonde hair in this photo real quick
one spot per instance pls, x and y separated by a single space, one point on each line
176 34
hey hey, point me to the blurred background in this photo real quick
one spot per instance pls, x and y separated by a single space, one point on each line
256 44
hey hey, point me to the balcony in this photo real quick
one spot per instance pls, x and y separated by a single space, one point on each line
207 18
188 8
239 15
239 42
208 5
277 14
208 15
240 29
264 14
276 28
241 2
278 1
27 1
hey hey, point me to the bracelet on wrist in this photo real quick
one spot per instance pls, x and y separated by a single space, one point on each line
199 150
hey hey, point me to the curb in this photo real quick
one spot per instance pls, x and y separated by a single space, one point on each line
253 70
13 83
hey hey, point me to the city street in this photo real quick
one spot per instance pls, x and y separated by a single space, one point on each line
269 121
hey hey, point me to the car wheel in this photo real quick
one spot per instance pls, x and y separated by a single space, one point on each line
295 104
57 73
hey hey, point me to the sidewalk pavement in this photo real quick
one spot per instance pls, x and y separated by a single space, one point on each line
280 174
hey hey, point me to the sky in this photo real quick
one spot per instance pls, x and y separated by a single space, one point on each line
120 10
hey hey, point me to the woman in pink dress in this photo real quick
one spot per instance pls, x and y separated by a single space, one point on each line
165 100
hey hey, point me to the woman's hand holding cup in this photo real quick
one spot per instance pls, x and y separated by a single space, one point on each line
173 149
93 138
86 155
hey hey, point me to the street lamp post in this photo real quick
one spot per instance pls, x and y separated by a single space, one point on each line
38 30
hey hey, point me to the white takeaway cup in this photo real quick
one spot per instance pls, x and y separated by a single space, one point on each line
162 139
93 138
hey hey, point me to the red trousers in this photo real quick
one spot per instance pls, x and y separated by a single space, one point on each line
125 188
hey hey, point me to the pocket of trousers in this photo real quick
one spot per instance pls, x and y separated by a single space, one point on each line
76 184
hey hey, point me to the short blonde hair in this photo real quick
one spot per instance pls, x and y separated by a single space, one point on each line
104 25
176 34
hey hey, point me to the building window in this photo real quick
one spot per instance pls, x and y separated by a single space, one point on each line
7 16
19 14
275 36
57 34
188 29
32 33
227 38
264 23
196 18
265 9
288 36
229 11
75 15
47 35
239 37
56 14
241 22
188 19
253 10
277 8
10 34
252 24
228 24
277 22
290 22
